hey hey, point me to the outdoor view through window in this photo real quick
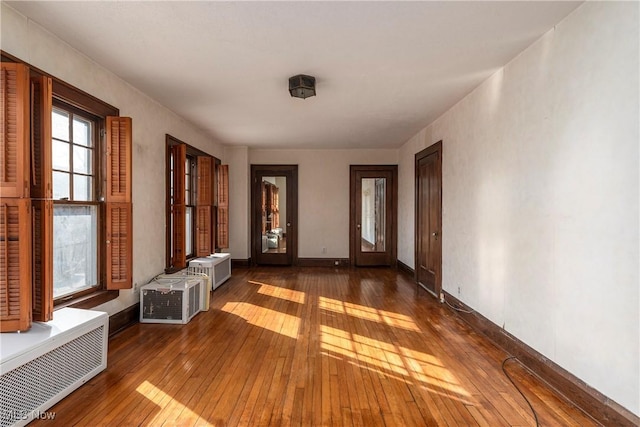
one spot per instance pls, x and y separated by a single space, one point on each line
75 212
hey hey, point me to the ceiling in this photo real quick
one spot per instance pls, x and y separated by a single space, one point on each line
384 70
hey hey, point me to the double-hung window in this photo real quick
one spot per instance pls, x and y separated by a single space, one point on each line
65 210
196 183
190 173
76 216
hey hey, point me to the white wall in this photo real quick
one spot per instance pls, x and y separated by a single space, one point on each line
323 194
239 202
540 197
151 121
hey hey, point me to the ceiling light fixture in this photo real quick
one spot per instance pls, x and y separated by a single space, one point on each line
302 86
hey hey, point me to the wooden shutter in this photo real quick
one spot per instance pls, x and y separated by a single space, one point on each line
15 264
41 204
119 245
223 206
14 130
178 153
118 159
15 205
204 201
118 207
42 277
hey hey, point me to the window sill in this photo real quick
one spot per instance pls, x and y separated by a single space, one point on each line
90 301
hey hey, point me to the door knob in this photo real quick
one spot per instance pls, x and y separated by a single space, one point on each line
288 224
435 235
358 226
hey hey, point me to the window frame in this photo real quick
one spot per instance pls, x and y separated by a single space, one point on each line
72 96
190 200
190 190
98 151
37 91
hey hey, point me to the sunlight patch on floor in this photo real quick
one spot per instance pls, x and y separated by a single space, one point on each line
391 361
163 400
272 320
396 320
278 292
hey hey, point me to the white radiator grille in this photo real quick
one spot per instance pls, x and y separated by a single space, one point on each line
27 387
222 271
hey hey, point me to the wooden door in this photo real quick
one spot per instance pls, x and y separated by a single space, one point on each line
373 208
274 214
429 219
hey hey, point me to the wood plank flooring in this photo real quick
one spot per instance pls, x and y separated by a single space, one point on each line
312 347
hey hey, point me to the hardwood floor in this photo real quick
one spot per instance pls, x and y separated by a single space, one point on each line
311 347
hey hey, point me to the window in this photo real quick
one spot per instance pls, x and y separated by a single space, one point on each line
65 212
189 200
192 198
75 206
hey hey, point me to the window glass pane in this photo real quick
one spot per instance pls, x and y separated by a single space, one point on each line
75 255
82 188
373 221
60 155
188 231
60 185
82 160
81 132
60 124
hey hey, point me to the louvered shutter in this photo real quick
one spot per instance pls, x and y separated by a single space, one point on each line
14 130
223 206
15 205
204 199
118 207
41 194
15 264
178 153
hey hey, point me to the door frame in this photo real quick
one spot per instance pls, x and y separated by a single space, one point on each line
291 172
434 148
391 220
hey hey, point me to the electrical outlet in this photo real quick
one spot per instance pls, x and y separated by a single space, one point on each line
324 250
458 290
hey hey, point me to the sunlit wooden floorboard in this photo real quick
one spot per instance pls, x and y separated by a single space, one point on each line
312 346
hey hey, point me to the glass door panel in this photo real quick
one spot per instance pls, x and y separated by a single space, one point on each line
274 214
373 221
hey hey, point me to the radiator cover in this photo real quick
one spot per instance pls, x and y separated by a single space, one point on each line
45 364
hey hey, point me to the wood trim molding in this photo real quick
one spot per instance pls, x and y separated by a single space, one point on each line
240 263
91 300
123 319
323 262
404 268
588 399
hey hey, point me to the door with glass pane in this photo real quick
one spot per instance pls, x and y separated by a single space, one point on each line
274 214
373 215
